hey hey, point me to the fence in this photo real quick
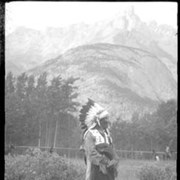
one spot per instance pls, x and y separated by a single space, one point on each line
76 154
144 155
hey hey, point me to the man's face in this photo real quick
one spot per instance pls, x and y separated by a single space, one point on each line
104 123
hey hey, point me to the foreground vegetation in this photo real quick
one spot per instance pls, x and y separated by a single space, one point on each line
38 165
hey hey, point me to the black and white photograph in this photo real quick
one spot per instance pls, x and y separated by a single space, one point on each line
90 90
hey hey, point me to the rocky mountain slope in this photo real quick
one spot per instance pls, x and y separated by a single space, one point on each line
121 78
125 64
27 48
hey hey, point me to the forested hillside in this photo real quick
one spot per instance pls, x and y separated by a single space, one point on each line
125 80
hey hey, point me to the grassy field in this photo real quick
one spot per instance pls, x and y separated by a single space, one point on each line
128 169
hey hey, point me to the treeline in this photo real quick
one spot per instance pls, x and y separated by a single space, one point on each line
39 112
150 132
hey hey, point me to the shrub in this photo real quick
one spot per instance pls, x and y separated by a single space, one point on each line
157 173
41 166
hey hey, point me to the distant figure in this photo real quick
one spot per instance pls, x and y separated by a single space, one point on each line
167 153
51 150
155 156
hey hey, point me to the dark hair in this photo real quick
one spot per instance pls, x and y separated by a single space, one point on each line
104 118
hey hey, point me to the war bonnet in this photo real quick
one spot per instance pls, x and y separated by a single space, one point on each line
90 113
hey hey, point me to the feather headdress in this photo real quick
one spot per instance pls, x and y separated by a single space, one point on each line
91 112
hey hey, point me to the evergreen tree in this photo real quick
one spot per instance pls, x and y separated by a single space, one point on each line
38 113
21 86
14 110
9 84
31 112
41 103
60 98
30 86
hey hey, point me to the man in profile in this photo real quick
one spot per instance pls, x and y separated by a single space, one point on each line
100 156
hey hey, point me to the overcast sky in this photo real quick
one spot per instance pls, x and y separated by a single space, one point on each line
40 15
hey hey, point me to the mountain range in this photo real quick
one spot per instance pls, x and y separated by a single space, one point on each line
125 64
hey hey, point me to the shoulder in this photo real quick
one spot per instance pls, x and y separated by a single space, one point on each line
89 138
90 134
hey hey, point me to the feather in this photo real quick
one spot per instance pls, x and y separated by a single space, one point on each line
89 112
83 113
